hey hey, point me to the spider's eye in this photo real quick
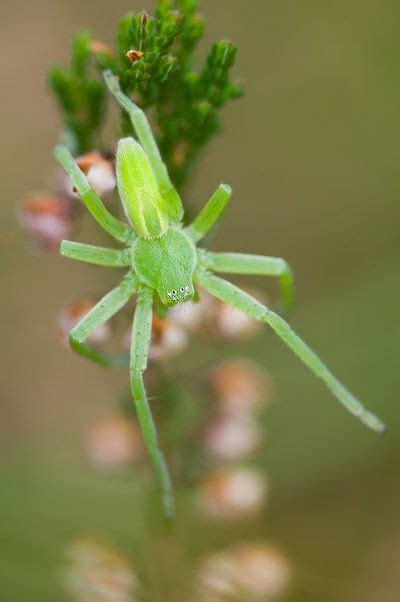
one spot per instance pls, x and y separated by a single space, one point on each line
174 293
182 289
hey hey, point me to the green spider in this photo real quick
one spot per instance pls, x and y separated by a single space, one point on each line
165 265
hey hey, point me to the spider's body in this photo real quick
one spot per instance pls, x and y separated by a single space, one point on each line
164 261
167 265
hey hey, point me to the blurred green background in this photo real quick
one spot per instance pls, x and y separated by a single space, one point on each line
312 154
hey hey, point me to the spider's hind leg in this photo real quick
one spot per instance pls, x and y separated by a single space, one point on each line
227 292
242 263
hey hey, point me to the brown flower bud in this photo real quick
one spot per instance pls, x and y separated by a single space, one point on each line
134 55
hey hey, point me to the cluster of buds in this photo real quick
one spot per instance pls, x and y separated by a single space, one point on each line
97 572
240 388
232 489
48 218
207 316
217 320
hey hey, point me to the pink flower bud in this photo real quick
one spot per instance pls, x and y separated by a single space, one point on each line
167 339
233 437
72 313
99 172
97 572
240 385
190 315
234 493
46 219
251 572
232 323
113 442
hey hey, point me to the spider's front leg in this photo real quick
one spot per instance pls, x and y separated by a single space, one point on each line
111 258
107 307
91 199
141 335
227 292
241 263
146 138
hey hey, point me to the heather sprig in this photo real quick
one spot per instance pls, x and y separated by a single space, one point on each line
155 61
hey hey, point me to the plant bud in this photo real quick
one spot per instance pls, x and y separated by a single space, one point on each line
167 339
97 572
233 493
72 313
232 437
250 571
113 443
46 219
143 204
240 386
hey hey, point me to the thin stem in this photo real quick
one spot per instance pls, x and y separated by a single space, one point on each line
90 198
225 291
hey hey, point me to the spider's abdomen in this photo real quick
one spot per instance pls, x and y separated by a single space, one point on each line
166 264
143 204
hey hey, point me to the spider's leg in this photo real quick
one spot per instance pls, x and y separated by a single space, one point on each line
141 334
108 306
241 263
149 144
112 258
90 198
225 291
210 213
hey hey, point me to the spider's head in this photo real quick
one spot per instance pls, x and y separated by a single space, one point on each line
166 264
177 295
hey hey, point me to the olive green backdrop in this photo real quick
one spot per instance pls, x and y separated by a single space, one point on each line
312 153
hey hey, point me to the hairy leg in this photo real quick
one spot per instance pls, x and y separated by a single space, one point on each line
107 307
241 263
141 334
147 141
225 291
210 213
96 255
90 198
